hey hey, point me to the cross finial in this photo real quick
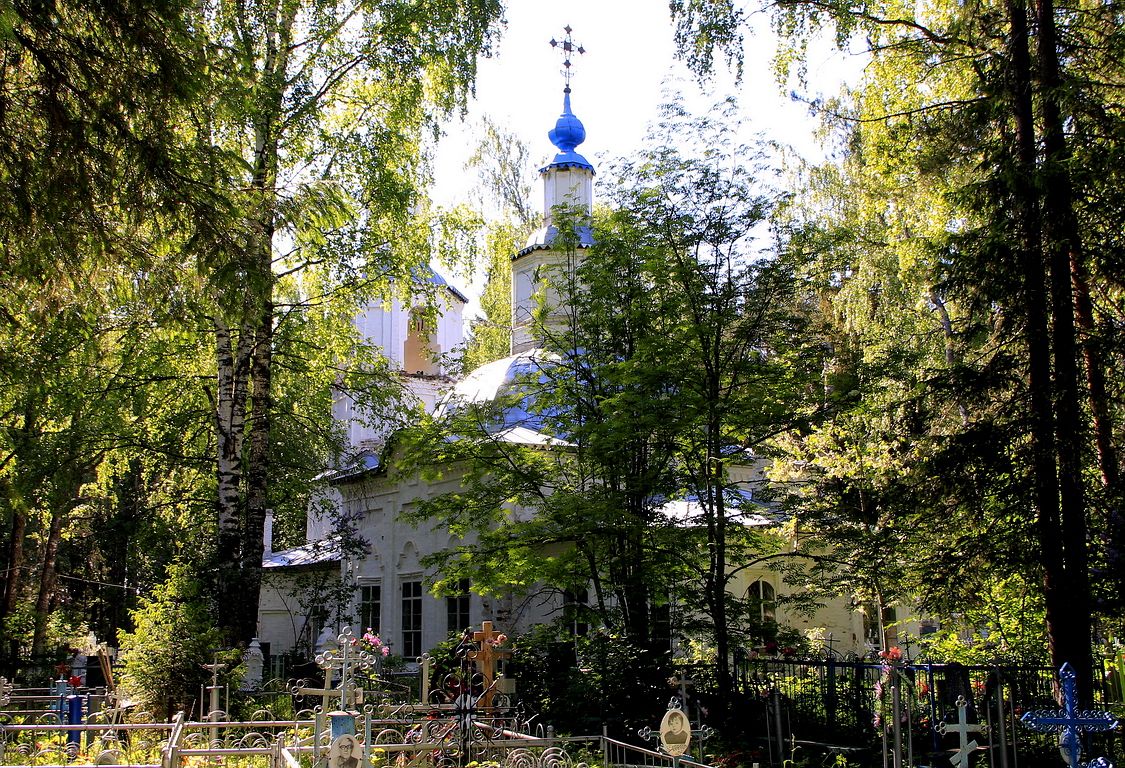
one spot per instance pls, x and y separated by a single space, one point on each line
569 48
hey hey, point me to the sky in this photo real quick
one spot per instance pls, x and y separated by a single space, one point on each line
617 86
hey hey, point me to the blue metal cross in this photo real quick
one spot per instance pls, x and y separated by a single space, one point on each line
1070 721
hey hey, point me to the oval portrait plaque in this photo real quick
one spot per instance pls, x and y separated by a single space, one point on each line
675 732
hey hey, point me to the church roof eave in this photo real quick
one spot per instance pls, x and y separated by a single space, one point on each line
314 553
569 160
541 247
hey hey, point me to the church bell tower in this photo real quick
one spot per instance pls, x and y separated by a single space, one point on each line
547 262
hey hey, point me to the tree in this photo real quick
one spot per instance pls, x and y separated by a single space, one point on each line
731 351
501 160
164 658
91 157
680 355
326 105
1013 239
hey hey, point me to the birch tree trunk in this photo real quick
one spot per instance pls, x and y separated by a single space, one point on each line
231 355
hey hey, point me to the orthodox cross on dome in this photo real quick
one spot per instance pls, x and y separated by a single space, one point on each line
569 48
1069 722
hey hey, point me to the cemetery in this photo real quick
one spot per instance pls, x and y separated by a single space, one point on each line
730 451
462 710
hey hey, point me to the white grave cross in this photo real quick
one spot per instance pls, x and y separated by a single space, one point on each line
348 658
963 728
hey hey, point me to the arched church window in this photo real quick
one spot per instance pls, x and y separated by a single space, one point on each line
763 600
420 348
576 606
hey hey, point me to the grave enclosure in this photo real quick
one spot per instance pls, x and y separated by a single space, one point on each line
790 712
810 710
355 718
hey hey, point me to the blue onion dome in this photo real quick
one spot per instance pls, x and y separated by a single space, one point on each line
567 134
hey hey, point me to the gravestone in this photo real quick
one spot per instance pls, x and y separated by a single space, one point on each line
675 732
487 656
254 662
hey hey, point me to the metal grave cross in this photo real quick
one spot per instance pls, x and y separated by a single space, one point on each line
678 744
963 728
569 47
1069 722
348 658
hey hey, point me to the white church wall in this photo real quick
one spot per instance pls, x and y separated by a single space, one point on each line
388 326
394 564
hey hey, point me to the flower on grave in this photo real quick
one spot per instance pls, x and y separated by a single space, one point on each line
498 640
372 643
892 654
74 681
923 688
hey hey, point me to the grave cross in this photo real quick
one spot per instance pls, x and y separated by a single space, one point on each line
673 747
1069 722
963 728
487 657
348 657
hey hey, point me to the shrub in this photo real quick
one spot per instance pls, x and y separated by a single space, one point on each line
173 638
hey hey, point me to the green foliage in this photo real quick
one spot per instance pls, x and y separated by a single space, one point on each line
174 637
962 194
501 160
327 109
1006 626
577 684
676 353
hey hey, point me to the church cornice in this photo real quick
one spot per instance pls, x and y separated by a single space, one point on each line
543 247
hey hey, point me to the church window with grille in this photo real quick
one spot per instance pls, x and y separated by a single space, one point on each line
457 608
370 607
412 618
576 606
763 600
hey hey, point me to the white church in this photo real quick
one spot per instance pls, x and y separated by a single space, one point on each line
384 584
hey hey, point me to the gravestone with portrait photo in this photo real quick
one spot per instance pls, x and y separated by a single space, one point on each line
345 752
675 732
